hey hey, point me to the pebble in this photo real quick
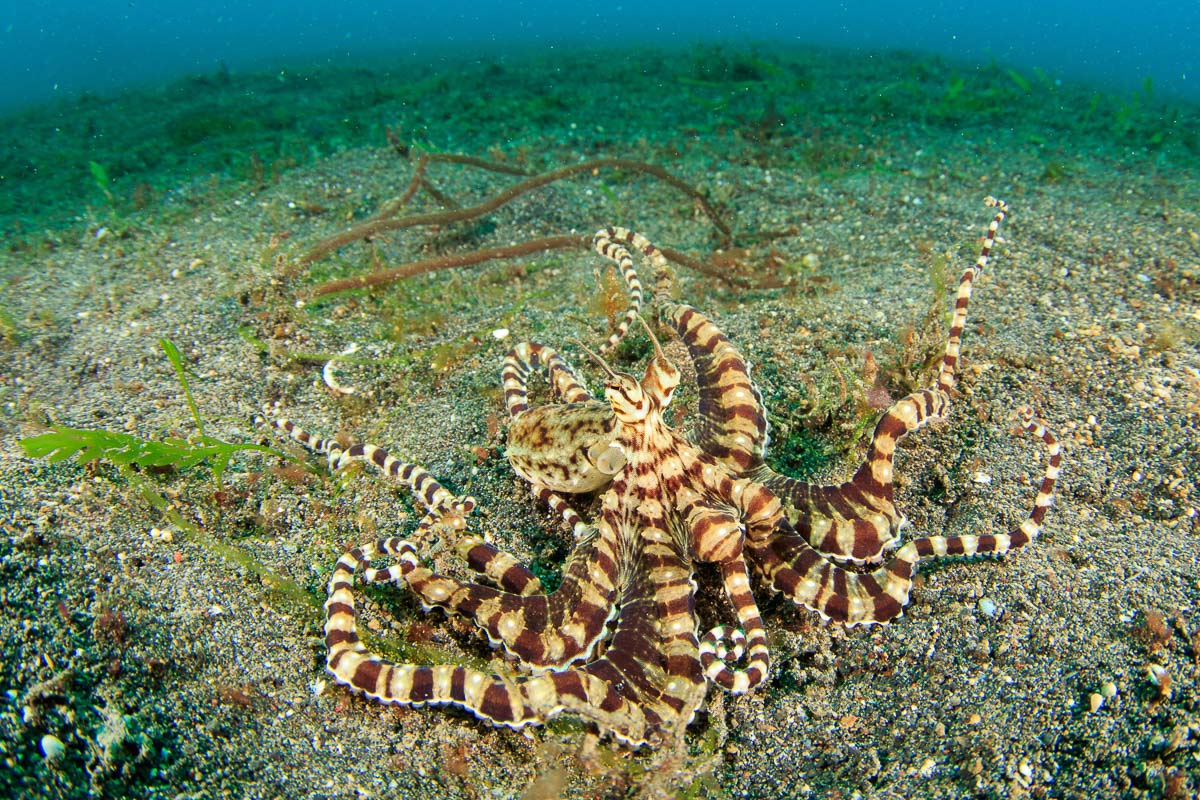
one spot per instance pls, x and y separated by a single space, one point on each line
1095 700
987 606
1108 690
52 747
1025 772
1160 678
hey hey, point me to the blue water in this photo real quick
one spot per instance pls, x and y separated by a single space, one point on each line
56 49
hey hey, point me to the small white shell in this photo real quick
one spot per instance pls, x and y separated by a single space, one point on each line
52 747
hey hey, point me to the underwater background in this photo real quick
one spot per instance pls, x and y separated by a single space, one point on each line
206 209
51 50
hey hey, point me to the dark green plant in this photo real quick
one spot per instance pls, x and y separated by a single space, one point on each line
803 454
126 450
1056 171
100 176
1019 80
123 449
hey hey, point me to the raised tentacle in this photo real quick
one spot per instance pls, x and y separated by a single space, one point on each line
856 521
946 373
731 426
620 256
526 357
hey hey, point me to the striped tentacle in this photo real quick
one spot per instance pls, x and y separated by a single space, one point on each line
512 701
946 374
749 640
732 425
647 669
404 549
546 631
757 508
652 658
1030 527
527 357
579 528
791 565
788 563
654 653
506 569
718 522
606 242
857 521
424 486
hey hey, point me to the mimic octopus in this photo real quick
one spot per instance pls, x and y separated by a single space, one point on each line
619 642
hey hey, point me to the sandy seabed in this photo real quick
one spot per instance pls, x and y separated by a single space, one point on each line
187 662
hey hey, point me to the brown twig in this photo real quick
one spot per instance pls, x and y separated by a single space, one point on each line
405 151
403 271
418 178
444 200
703 267
378 225
383 277
472 161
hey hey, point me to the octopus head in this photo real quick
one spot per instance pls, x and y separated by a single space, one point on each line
661 376
627 397
631 399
